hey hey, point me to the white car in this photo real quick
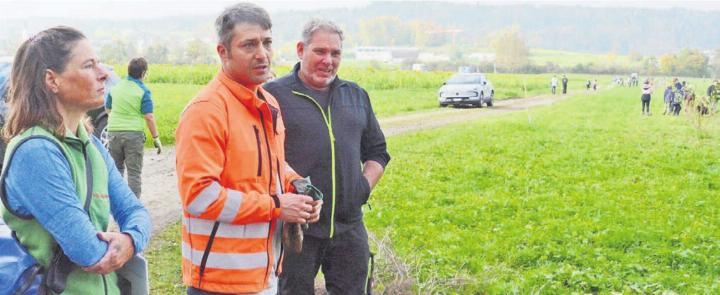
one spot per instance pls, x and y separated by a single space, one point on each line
471 89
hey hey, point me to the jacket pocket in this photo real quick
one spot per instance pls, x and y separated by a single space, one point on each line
364 191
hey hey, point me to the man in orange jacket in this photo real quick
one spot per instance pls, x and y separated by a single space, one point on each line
232 176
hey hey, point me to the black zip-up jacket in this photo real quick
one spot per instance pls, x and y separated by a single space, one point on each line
350 120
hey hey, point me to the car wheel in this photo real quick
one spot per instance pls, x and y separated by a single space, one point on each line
101 131
489 103
480 100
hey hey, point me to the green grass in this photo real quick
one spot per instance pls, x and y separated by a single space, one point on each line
169 100
164 262
587 196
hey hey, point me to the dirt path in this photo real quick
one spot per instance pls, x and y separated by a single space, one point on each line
160 194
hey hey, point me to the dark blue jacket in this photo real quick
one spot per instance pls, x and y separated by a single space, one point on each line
357 139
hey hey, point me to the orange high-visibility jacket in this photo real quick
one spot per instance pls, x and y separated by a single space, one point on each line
230 156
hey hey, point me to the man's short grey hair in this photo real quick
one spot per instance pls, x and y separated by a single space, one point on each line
315 25
240 13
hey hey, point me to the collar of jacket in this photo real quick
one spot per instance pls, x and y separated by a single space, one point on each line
76 141
246 96
296 74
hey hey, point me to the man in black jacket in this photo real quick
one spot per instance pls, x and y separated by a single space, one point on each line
331 130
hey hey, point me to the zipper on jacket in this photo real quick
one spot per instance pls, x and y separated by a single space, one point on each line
206 254
328 121
259 151
282 247
267 146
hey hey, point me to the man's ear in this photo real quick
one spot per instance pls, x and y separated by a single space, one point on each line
52 81
300 47
222 52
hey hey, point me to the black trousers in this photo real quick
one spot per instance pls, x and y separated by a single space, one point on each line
344 260
676 108
645 103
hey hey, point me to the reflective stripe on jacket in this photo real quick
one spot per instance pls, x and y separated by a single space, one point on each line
230 156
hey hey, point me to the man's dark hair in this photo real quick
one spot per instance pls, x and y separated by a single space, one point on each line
240 13
31 102
137 67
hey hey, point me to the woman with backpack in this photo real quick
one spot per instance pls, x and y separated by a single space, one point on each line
60 184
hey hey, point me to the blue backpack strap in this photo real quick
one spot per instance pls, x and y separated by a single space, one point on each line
3 196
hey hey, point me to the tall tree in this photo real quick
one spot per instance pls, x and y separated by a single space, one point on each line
693 62
650 65
715 63
669 64
385 31
119 51
200 52
158 53
511 50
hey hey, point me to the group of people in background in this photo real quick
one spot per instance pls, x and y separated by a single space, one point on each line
632 80
680 94
591 84
554 84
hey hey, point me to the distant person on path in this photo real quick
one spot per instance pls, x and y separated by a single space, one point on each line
703 105
595 85
130 107
61 186
334 138
564 84
678 98
233 180
668 99
645 98
553 84
587 85
713 93
689 98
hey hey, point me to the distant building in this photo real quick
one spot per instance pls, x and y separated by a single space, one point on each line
482 56
429 57
386 54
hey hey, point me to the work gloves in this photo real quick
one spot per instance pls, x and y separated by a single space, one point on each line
292 235
157 144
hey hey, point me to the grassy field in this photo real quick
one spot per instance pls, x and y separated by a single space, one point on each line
392 92
588 196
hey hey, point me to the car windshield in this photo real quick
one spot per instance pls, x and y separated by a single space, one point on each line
464 79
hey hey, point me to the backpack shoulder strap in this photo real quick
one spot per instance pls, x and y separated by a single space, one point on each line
6 168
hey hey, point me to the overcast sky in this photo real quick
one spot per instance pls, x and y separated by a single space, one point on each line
130 9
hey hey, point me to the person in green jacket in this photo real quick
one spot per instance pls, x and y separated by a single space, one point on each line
130 106
60 184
